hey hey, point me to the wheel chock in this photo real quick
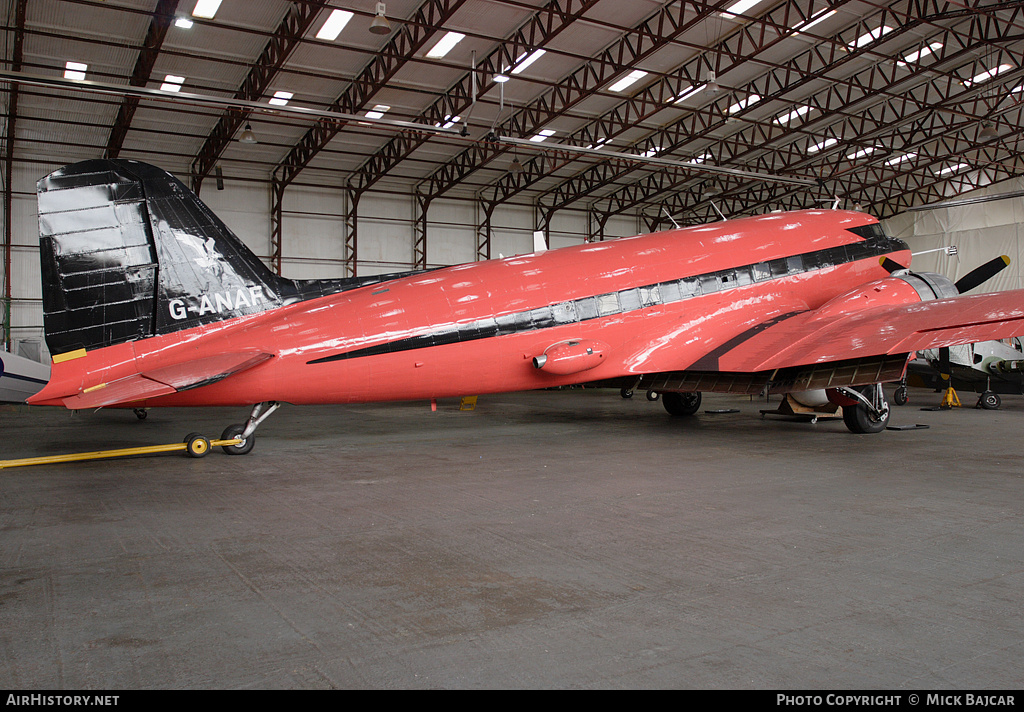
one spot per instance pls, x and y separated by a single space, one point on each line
194 446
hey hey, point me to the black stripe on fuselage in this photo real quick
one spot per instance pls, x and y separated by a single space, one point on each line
634 298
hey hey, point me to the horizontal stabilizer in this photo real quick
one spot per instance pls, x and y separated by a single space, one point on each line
164 380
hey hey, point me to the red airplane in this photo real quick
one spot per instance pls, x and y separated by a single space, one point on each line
150 300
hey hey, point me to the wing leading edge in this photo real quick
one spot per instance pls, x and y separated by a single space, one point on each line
815 338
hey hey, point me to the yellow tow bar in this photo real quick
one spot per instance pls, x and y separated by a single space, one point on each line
194 446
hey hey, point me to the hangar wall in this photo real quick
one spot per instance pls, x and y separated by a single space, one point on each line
980 232
313 244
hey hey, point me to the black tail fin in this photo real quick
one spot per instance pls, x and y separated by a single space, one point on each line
127 252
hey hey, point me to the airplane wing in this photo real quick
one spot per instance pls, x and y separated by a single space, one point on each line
811 338
149 382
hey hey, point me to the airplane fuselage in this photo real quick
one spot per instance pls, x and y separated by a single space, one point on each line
651 303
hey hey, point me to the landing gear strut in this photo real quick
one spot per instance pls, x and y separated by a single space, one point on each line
244 431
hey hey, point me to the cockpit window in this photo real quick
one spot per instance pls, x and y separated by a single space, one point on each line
869 231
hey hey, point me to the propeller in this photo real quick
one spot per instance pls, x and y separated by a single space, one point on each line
982 274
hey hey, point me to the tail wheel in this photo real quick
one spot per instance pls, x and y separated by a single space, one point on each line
900 396
681 403
196 445
235 431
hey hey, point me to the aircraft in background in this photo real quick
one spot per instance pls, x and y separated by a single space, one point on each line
20 377
150 300
989 368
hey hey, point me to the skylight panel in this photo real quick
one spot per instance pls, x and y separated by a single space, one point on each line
700 159
827 143
600 143
794 114
183 22
954 169
525 60
900 159
172 83
738 8
744 103
988 74
75 70
334 25
692 91
870 37
651 152
448 122
542 136
206 9
932 48
861 153
628 80
821 16
445 45
378 111
281 98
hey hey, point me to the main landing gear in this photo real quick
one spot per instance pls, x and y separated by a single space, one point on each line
864 408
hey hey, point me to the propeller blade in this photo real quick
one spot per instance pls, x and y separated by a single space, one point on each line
982 274
890 265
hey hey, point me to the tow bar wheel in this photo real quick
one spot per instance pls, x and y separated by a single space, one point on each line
196 445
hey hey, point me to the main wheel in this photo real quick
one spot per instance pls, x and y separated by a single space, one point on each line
990 400
861 421
235 431
681 403
196 445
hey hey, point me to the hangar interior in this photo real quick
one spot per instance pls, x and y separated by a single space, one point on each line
880 106
556 539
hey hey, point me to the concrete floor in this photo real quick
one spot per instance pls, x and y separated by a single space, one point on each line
564 539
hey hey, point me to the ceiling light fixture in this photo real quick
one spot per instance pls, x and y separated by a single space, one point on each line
380 24
247 136
988 130
183 22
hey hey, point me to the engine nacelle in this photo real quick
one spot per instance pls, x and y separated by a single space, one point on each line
568 357
901 287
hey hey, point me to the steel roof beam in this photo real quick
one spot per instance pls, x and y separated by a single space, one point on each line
400 49
162 17
654 33
286 38
542 27
834 101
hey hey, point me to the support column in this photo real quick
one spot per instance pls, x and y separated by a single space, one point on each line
483 229
419 245
352 230
277 187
